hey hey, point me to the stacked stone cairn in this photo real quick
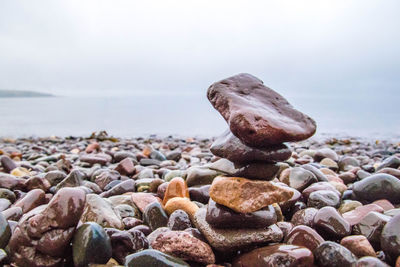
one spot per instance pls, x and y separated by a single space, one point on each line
243 208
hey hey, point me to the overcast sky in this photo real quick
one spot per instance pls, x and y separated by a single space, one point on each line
338 47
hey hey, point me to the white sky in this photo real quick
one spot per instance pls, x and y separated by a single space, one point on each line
151 47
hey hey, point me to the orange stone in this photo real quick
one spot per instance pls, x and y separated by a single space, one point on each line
147 151
92 147
181 203
245 196
176 188
359 245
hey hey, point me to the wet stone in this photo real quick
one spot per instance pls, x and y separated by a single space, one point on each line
378 186
285 227
200 194
230 147
256 114
7 163
390 162
43 235
384 204
141 200
276 255
130 222
179 220
300 178
235 239
5 231
348 205
325 153
185 246
10 182
13 213
330 224
370 261
100 211
155 216
320 176
391 171
105 177
100 158
125 210
319 186
152 257
305 236
288 206
31 200
358 245
90 245
75 178
120 188
246 196
356 215
390 239
181 203
219 216
257 171
143 228
4 204
55 177
7 194
304 217
124 243
37 182
392 212
125 167
323 198
371 227
331 254
176 188
200 176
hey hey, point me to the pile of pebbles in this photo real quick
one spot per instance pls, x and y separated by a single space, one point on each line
261 194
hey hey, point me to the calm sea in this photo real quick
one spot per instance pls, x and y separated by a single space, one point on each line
189 115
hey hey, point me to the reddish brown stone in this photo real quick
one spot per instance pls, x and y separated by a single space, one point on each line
384 204
36 182
92 147
275 255
359 245
230 147
31 200
256 114
141 200
355 216
304 236
185 246
126 167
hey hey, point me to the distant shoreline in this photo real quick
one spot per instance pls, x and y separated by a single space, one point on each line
17 93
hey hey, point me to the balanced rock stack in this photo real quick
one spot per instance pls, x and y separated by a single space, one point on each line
243 211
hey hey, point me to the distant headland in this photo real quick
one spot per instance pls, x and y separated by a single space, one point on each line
17 93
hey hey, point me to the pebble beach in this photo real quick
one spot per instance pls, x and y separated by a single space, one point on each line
263 193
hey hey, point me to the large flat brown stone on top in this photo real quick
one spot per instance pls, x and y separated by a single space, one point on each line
245 196
256 114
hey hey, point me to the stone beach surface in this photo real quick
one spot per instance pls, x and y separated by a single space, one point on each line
261 194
